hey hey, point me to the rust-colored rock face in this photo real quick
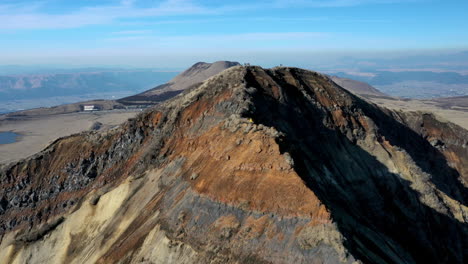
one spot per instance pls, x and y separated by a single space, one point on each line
251 166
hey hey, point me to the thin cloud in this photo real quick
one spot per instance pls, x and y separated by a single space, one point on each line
335 3
132 32
224 19
19 17
129 38
211 41
30 16
248 36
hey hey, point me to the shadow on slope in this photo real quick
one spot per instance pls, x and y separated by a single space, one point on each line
380 215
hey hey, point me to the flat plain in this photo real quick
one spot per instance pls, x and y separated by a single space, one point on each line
38 132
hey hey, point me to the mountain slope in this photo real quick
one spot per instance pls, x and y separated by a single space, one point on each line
357 87
251 166
192 76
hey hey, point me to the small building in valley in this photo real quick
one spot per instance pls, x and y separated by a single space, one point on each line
89 108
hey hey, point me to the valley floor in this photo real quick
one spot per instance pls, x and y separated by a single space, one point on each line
457 115
38 132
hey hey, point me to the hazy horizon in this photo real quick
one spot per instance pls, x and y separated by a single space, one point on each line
444 59
177 33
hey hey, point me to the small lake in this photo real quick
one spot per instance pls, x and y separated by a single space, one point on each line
8 137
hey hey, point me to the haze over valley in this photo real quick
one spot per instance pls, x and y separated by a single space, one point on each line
420 77
24 91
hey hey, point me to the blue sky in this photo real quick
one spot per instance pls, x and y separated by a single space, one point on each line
174 33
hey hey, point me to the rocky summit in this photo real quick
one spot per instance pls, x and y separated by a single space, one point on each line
252 165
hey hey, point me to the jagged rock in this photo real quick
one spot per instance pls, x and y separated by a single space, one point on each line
290 168
40 232
311 237
194 176
289 159
94 199
96 126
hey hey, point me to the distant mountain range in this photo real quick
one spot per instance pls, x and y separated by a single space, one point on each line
390 77
17 87
47 69
414 84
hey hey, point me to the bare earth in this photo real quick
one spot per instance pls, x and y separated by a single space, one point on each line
457 115
38 132
39 127
453 109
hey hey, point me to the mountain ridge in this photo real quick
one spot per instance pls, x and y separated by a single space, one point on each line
358 87
290 167
197 73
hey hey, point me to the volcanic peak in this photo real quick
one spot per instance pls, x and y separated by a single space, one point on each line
290 167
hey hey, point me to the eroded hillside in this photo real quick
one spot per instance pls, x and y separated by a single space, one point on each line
251 166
